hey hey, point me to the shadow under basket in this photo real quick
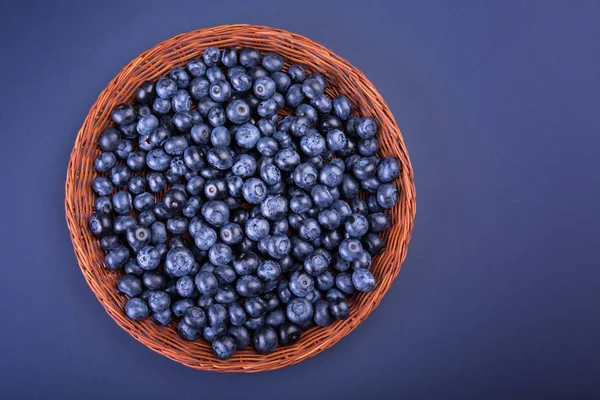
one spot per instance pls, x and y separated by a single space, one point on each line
342 78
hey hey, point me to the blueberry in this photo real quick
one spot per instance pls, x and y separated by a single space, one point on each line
265 339
145 143
166 88
220 91
136 309
316 264
294 96
103 204
350 187
163 318
181 102
138 236
328 122
145 93
130 285
116 258
159 301
119 175
274 207
301 203
332 239
195 185
181 306
257 72
359 206
325 281
240 335
122 223
309 229
215 212
219 158
100 224
312 144
179 261
270 174
321 196
343 281
199 88
148 258
241 81
158 160
246 264
185 286
379 222
329 219
334 293
254 191
229 57
282 82
109 139
255 307
226 295
331 175
373 205
215 189
254 323
192 206
357 225
154 280
366 127
312 87
147 124
247 136
206 283
174 199
249 286
280 227
123 114
387 195
300 311
288 333
105 161
187 332
156 182
224 346
220 254
305 175
177 167
210 333
350 249
322 103
342 107
339 308
237 315
160 210
196 67
205 301
110 242
307 111
211 56
180 76
296 73
322 315
373 243
102 186
175 145
183 121
301 284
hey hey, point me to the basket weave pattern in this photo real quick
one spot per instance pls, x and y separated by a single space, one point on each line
342 78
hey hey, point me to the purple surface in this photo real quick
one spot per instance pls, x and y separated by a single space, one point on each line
499 107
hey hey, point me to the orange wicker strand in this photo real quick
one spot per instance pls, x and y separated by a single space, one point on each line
159 60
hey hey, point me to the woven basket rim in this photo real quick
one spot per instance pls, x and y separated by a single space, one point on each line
79 195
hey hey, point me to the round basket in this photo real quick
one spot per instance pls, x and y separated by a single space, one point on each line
342 78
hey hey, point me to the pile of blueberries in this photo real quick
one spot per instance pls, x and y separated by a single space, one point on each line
260 232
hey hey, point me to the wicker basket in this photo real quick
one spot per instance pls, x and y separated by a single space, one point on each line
342 78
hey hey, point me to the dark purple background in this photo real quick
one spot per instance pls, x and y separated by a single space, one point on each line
499 106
